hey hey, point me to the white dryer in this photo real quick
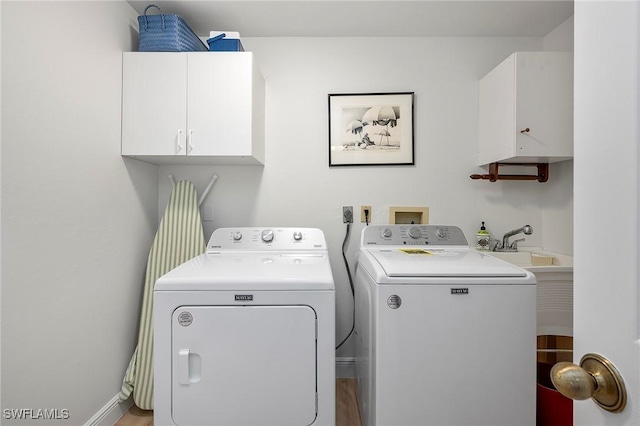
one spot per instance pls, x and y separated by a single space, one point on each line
445 335
245 333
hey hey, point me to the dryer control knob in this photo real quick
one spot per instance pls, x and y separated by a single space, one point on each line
386 233
415 232
237 236
267 235
297 235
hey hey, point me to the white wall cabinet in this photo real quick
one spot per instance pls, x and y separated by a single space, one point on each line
526 109
193 108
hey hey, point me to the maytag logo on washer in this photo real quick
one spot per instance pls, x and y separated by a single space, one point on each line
459 291
394 301
244 297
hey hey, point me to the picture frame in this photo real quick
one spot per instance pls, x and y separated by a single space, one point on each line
371 129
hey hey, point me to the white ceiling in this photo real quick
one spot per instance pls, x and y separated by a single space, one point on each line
366 18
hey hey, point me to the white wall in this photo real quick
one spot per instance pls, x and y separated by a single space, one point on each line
561 38
297 188
77 219
557 199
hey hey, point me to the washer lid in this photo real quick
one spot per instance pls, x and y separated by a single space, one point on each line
421 262
251 271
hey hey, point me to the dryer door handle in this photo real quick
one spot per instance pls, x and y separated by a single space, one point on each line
183 366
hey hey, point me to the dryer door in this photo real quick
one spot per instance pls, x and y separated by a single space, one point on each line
244 365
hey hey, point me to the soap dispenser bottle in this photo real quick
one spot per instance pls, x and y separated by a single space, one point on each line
482 238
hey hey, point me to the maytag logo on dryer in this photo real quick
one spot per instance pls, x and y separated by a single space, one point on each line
185 319
244 297
460 291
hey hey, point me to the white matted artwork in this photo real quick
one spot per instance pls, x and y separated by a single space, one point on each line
371 129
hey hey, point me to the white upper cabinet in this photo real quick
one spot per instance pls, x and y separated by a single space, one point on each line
526 109
193 108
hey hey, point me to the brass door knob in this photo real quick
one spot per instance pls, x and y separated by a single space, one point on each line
596 378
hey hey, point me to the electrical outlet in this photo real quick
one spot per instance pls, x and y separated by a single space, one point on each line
347 214
365 217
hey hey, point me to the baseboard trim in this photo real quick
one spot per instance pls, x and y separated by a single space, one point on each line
111 412
345 367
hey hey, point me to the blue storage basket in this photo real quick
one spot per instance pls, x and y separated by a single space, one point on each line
166 33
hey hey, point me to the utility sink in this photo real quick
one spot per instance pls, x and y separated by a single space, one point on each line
535 259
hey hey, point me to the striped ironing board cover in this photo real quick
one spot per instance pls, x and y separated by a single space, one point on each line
178 239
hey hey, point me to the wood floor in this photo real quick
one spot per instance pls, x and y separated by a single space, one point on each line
346 408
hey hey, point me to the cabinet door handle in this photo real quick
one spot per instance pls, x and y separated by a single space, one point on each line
189 140
179 142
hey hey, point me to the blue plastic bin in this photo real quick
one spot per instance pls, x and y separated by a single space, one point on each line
221 44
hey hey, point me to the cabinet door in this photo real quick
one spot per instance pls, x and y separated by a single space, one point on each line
544 104
496 117
219 104
154 106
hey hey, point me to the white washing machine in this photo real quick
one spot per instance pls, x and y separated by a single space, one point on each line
245 333
445 335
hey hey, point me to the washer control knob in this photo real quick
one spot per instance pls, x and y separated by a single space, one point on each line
441 233
237 236
415 232
386 233
267 235
297 235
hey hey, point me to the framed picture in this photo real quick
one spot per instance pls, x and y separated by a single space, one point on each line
371 129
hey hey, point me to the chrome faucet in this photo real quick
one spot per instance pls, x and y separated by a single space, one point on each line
504 245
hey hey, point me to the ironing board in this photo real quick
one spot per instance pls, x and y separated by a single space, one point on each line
179 238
